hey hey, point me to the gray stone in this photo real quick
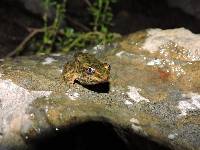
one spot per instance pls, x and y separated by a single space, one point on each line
153 92
35 6
189 6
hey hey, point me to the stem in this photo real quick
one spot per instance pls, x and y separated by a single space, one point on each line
20 47
87 35
33 32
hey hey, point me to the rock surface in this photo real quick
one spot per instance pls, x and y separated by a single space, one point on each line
154 91
189 6
34 6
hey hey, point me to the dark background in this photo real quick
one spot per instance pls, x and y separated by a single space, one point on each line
129 16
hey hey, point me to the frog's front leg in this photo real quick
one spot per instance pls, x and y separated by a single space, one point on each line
70 78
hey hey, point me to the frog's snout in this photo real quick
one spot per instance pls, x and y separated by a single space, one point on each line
107 66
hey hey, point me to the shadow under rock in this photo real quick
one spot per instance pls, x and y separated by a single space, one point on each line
93 135
99 88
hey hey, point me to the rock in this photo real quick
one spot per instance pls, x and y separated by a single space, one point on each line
34 6
189 6
175 38
152 99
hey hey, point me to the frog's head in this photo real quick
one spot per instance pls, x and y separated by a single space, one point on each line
92 71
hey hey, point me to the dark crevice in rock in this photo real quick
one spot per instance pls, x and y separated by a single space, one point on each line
92 135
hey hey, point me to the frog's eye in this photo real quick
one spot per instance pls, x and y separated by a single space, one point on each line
90 70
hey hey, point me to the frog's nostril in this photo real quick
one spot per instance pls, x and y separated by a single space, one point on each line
107 66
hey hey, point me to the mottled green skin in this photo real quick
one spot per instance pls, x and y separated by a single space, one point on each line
77 70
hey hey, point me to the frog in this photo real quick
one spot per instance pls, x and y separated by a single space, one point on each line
86 69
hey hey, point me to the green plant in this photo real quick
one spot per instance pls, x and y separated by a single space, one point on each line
52 37
50 32
102 14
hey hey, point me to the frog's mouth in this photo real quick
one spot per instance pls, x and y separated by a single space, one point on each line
93 81
99 80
